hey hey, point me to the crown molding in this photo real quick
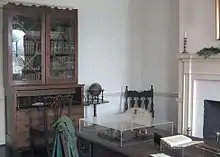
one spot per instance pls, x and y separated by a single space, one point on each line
3 2
17 2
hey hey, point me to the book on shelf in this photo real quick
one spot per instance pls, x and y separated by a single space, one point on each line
179 141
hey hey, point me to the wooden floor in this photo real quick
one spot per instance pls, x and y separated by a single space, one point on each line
2 151
5 152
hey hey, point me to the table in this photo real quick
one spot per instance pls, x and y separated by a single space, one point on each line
90 145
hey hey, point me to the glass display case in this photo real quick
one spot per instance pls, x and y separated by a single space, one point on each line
124 128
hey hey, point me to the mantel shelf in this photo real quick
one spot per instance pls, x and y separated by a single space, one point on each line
181 56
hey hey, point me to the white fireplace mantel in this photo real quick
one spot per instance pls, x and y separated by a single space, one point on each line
193 68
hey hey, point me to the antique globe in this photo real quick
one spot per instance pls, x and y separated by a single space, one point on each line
95 89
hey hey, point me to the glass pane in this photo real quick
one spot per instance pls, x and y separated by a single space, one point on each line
62 49
26 48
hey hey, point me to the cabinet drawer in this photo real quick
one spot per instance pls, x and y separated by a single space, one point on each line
84 148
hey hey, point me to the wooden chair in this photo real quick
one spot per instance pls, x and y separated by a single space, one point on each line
140 99
41 136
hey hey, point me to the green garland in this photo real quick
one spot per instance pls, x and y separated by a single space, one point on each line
207 52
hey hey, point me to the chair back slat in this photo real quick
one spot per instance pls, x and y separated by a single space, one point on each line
140 99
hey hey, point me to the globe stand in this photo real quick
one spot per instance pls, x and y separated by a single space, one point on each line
95 97
94 100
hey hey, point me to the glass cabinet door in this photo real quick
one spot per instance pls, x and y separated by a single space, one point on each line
63 51
26 48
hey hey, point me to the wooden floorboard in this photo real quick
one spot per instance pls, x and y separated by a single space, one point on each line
5 152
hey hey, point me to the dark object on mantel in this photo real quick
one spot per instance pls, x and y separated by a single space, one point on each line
94 96
208 51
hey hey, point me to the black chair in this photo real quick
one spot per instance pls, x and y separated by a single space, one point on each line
141 99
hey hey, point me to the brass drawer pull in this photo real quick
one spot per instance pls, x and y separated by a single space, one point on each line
82 148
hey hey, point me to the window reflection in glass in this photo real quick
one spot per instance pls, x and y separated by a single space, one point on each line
26 48
18 51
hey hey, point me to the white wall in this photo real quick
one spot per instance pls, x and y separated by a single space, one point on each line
152 44
197 17
161 45
159 62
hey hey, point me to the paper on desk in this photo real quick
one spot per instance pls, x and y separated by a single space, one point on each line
159 155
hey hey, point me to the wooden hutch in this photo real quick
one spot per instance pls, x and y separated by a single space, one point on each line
40 59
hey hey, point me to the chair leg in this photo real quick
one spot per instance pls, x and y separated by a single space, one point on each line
32 153
32 150
47 147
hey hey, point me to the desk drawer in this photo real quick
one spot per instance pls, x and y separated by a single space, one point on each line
101 151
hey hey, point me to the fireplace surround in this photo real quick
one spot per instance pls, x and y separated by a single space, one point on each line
199 80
